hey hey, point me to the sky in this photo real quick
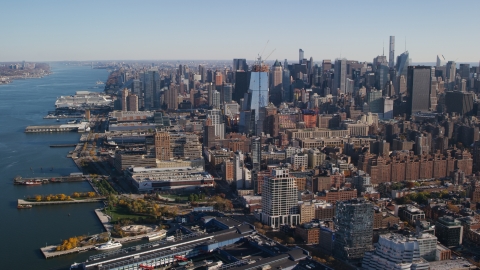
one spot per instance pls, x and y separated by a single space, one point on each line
221 30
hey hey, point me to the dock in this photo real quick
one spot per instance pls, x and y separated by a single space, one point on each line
51 251
33 203
82 127
63 145
46 180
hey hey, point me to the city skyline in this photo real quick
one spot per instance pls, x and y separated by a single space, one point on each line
50 31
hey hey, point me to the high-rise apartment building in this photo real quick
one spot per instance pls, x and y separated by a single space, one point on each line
300 56
353 229
391 55
418 89
132 103
216 118
171 97
162 145
124 99
279 200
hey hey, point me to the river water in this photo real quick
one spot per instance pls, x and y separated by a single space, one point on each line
24 231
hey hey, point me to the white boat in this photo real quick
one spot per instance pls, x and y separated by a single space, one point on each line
170 238
100 82
109 245
75 266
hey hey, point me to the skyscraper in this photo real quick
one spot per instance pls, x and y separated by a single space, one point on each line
227 92
451 70
418 88
151 87
391 55
258 91
300 56
276 83
171 97
124 99
403 62
279 200
353 229
239 65
340 76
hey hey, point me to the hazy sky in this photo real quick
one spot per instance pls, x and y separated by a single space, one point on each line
198 29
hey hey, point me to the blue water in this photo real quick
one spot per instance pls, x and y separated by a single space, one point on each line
23 232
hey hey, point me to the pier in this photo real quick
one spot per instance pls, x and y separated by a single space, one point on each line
74 177
51 128
51 251
63 145
34 203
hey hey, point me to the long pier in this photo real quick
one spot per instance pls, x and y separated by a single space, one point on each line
63 145
46 180
34 203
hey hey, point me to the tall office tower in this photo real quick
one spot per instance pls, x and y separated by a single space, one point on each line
381 77
441 60
162 145
403 62
202 71
276 80
258 91
451 70
238 65
326 65
137 89
227 92
340 76
171 97
279 200
395 251
418 89
218 78
465 71
286 86
391 55
242 80
300 56
124 99
210 90
238 159
151 88
353 229
402 85
132 103
256 153
375 101
216 118
216 99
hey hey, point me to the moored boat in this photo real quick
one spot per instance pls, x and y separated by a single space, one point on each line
109 245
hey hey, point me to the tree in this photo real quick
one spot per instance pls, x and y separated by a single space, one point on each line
290 240
38 198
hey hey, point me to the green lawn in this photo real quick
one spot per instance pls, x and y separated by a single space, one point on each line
118 213
171 196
